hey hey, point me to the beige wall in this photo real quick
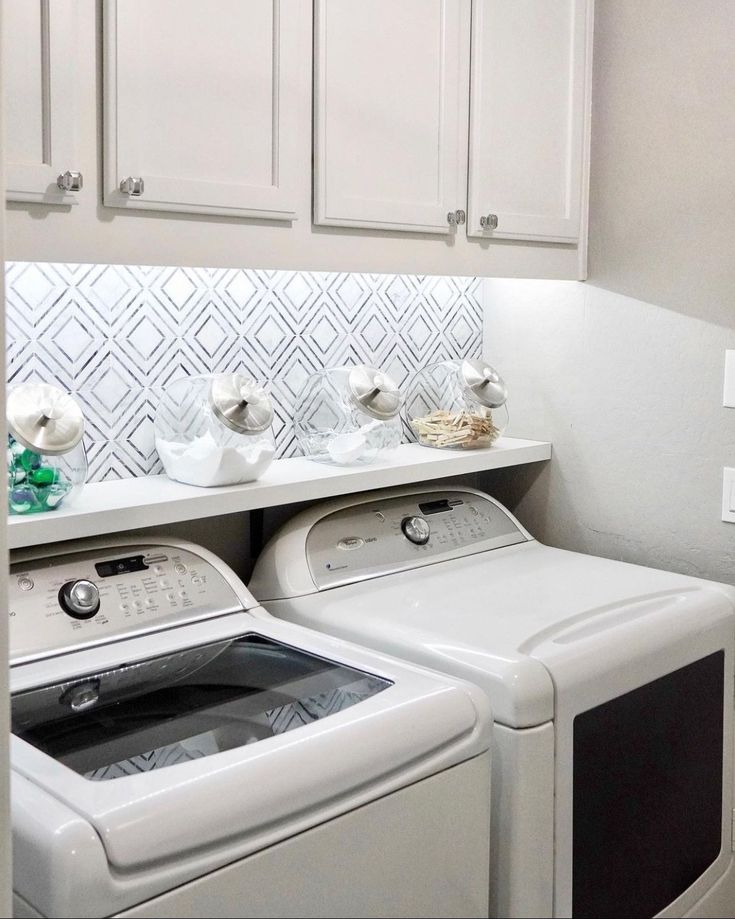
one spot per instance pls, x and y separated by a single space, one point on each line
89 232
624 373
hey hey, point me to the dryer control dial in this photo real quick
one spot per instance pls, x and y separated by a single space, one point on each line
80 599
416 529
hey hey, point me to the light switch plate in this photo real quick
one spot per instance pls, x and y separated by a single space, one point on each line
728 394
728 494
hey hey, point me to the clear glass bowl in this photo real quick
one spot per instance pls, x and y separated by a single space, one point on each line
446 405
215 430
348 415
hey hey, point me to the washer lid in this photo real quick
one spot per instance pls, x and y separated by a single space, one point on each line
510 620
247 795
44 418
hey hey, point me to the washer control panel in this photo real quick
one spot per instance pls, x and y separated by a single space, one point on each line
68 601
392 534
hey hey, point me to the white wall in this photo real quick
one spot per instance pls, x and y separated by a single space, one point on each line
624 373
89 232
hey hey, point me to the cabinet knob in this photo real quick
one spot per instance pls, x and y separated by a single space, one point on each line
70 181
456 218
489 222
133 186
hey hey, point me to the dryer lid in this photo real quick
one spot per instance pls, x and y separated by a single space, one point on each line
511 619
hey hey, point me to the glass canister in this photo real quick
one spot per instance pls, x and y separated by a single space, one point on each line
457 404
47 462
348 415
215 430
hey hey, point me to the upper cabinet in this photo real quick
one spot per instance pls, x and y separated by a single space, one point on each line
528 114
400 88
390 112
39 55
200 105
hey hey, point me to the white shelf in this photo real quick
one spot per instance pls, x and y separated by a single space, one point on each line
129 504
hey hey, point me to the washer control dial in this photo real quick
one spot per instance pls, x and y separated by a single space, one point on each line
80 599
416 530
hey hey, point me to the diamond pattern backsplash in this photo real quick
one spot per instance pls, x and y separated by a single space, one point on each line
116 335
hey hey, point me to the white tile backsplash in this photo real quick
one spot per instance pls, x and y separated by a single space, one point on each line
115 335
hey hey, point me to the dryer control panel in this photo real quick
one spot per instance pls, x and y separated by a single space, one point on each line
69 601
380 537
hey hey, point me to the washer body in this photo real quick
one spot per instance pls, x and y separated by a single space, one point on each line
611 687
179 753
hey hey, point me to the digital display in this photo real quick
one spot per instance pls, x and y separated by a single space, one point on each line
121 566
437 507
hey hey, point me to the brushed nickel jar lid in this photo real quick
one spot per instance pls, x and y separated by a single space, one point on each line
44 418
374 392
483 383
240 404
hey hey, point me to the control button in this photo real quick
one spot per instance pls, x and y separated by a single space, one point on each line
138 604
149 603
416 530
155 559
183 594
380 515
164 583
125 607
350 542
197 580
180 569
171 597
80 599
159 569
25 583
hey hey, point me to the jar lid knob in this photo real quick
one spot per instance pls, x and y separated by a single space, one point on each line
483 383
374 392
44 418
240 404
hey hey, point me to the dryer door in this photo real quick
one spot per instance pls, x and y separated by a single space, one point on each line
644 737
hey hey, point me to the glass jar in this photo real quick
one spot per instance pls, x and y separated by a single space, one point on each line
47 462
459 404
215 430
348 415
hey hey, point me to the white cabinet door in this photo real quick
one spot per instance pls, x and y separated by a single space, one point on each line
39 94
528 119
200 102
391 109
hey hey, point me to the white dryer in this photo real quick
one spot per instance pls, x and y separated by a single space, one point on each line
611 687
176 752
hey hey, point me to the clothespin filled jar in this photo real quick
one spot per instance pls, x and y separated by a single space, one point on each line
457 404
47 462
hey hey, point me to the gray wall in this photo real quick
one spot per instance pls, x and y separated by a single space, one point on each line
624 373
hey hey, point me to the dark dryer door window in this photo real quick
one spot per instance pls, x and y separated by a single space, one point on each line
184 706
648 792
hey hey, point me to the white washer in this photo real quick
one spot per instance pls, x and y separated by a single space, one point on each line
611 687
177 752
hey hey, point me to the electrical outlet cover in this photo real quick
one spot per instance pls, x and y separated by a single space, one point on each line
728 494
